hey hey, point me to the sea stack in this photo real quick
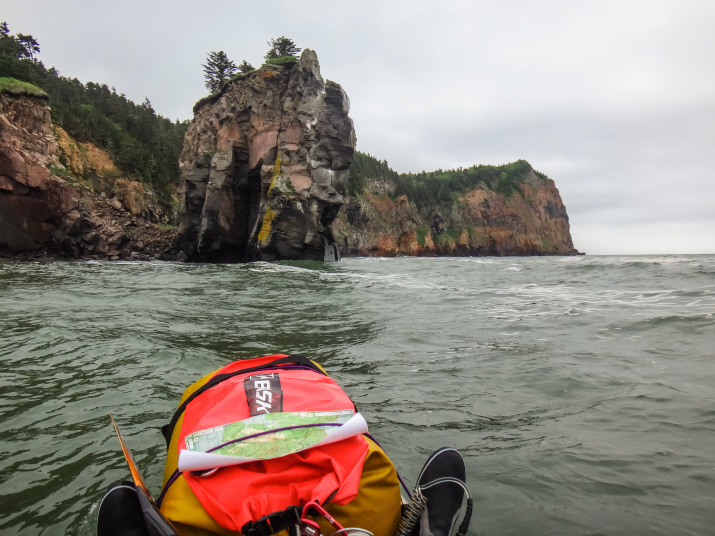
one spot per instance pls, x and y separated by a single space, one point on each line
264 165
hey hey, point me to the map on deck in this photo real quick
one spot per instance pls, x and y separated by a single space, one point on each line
270 445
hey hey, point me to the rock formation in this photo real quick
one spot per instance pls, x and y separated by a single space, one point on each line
33 203
482 222
264 165
42 212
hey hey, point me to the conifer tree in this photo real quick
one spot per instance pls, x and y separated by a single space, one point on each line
245 67
444 194
218 70
29 44
282 47
19 46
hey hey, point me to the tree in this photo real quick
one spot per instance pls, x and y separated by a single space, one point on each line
218 70
282 47
444 194
245 67
11 45
29 44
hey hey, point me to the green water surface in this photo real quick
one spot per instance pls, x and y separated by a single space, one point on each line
580 390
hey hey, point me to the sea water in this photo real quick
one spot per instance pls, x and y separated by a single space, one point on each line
580 390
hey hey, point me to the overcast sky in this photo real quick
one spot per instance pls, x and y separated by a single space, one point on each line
614 100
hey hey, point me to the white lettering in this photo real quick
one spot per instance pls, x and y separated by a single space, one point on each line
262 376
262 392
262 406
266 396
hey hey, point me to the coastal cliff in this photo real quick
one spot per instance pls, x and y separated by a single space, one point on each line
268 172
60 197
33 203
264 165
520 212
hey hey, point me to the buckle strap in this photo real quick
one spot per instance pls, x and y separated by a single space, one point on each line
273 523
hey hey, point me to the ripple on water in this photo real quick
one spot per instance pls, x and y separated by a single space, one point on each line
579 389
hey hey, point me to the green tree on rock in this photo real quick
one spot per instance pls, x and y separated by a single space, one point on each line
246 67
218 70
282 47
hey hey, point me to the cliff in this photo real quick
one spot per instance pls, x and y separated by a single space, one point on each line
530 219
264 165
59 197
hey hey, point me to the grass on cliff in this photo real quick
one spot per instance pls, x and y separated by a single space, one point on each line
282 59
14 86
61 171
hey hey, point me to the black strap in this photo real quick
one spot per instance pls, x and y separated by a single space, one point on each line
467 517
168 429
273 523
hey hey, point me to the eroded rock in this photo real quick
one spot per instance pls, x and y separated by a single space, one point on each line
483 222
41 214
264 165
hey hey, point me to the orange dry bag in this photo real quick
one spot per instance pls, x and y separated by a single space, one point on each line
256 497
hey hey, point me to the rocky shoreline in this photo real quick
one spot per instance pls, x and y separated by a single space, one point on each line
107 232
264 170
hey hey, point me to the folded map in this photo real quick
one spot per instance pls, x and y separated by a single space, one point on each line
294 432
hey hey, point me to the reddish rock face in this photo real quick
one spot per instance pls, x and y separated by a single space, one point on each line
41 211
32 201
264 165
483 222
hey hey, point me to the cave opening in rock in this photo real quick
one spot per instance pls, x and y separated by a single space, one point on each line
247 203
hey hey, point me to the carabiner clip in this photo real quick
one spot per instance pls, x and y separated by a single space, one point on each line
309 525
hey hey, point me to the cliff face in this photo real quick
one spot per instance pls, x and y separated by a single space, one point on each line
264 166
89 167
34 204
59 215
482 222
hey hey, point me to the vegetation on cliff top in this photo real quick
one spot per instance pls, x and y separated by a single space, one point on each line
218 70
14 86
143 144
281 60
479 210
148 145
364 169
281 48
427 189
